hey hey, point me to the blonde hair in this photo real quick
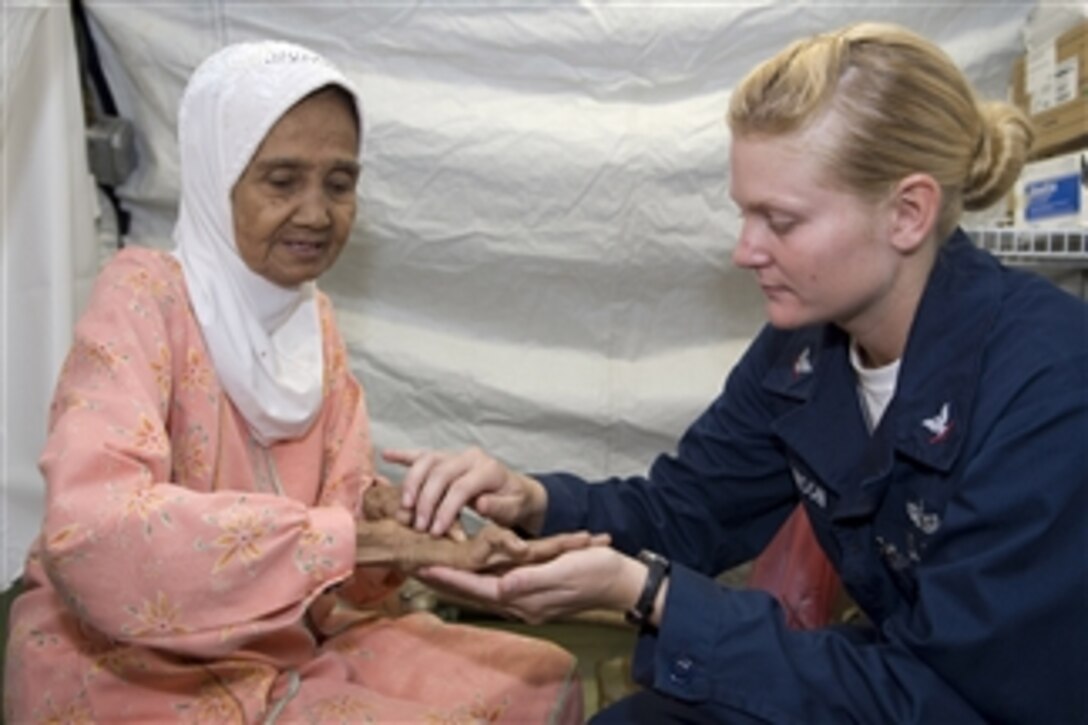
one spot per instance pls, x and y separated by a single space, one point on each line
902 107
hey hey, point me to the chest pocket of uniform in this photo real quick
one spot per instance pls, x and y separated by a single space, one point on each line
908 521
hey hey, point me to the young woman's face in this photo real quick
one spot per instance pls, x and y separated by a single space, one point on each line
294 204
818 252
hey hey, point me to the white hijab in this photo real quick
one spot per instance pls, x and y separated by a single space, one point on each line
264 340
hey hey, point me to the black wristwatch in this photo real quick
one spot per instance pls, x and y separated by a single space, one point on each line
639 615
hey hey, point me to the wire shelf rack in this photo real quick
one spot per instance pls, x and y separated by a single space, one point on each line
1018 245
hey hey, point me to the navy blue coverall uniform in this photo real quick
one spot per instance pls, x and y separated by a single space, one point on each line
959 526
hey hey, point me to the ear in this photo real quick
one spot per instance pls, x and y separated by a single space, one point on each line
915 204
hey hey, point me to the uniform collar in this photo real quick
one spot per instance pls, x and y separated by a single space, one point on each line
927 419
942 363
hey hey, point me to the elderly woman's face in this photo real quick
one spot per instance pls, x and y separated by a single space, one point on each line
294 204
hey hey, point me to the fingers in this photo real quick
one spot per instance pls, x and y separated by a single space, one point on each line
403 516
457 533
438 484
533 592
483 587
442 493
418 462
550 547
553 546
505 548
402 456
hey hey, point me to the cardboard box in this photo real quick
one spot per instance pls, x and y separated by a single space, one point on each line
1049 19
1050 83
1053 193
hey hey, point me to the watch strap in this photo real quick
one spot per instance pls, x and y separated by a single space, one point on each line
657 569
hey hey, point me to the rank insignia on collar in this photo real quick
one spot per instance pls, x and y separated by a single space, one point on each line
939 425
803 364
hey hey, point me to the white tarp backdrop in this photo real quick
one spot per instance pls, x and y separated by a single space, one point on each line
48 255
541 260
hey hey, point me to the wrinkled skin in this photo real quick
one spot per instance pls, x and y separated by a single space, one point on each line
385 537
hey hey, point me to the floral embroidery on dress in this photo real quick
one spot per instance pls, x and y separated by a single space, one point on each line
142 282
482 712
147 291
248 681
308 556
335 361
197 375
337 369
477 713
345 709
65 548
348 646
157 617
36 636
191 459
74 712
71 400
99 356
142 502
213 703
241 530
63 539
119 661
332 492
150 437
330 451
160 368
338 365
232 632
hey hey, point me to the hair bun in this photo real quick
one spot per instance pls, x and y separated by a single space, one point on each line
1005 140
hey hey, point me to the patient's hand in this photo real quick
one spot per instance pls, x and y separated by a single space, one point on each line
496 548
385 538
382 501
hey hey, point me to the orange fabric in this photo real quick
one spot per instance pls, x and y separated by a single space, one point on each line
184 573
796 571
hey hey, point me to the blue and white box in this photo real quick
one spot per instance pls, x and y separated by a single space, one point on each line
1053 193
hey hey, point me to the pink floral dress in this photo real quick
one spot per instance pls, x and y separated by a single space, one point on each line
186 574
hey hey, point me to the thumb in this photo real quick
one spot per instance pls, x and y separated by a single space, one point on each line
519 582
495 506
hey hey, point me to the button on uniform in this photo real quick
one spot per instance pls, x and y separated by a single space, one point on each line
681 671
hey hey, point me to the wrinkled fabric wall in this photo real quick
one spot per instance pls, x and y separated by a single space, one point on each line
48 253
541 260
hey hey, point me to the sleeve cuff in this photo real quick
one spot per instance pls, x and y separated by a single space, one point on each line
567 502
335 528
678 658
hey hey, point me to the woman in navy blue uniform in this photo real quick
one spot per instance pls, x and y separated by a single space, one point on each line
925 404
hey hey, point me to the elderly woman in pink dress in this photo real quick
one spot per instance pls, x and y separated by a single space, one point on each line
216 544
